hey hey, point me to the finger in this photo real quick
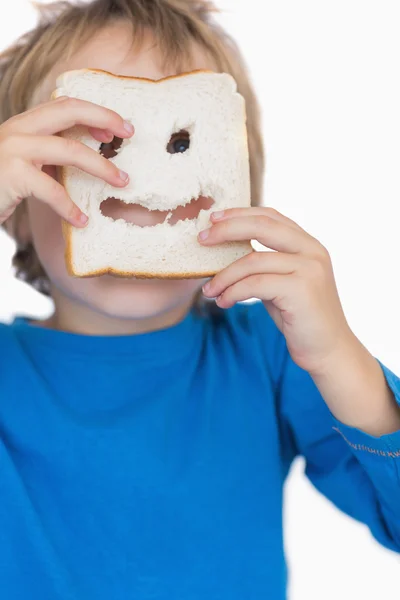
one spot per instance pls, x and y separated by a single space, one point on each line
257 211
102 135
64 113
43 103
252 264
269 232
54 150
49 191
264 287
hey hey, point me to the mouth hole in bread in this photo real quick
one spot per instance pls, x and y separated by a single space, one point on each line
135 214
179 142
110 149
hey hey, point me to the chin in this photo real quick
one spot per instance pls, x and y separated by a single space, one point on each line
129 298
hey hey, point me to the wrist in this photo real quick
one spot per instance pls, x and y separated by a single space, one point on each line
355 389
347 351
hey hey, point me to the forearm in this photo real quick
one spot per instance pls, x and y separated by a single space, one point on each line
356 392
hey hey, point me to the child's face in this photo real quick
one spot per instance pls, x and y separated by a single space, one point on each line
111 296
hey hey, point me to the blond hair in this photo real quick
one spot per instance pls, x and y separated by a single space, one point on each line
65 26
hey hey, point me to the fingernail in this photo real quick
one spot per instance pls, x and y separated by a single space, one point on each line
206 287
218 214
203 235
129 127
124 176
83 218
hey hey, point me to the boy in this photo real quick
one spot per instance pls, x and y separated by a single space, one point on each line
144 443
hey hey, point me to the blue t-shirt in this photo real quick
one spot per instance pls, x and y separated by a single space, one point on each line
151 467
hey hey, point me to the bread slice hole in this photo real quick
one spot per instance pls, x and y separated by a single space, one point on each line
135 214
110 149
179 142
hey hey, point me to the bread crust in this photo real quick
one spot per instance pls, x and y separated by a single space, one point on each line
104 72
67 228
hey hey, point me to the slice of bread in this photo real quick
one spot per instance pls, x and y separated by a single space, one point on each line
208 108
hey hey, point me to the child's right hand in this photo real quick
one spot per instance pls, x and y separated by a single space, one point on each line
28 142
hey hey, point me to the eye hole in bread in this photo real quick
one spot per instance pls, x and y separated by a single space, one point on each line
110 149
179 142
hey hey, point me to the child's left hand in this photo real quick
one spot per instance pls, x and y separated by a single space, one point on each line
296 283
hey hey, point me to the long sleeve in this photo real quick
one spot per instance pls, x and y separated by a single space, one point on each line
359 473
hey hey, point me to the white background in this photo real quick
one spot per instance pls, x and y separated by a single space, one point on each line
327 75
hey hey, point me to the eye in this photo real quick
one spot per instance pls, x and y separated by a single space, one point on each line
179 142
110 149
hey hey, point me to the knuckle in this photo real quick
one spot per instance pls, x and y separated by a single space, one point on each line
16 179
316 269
324 253
266 221
227 229
113 116
71 102
272 212
73 146
13 172
110 166
72 211
107 168
258 279
228 295
11 142
57 191
262 223
321 255
15 167
219 229
254 258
